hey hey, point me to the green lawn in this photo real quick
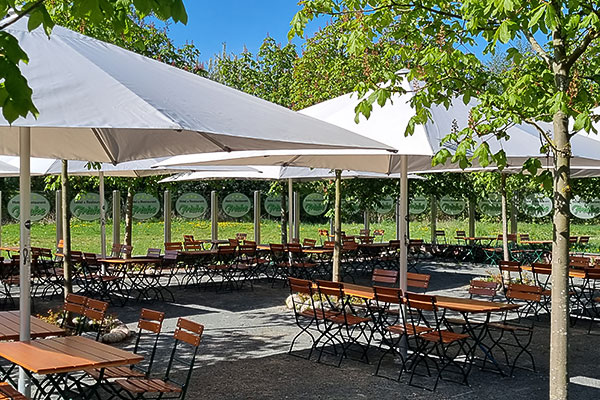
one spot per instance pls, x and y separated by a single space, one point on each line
86 235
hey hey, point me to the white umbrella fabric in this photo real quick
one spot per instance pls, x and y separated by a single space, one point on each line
99 102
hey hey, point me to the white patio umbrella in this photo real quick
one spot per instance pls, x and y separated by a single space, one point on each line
99 102
414 153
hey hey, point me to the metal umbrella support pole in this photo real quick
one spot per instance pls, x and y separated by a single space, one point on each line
102 216
290 210
167 215
214 216
337 249
403 233
297 216
257 213
25 247
116 217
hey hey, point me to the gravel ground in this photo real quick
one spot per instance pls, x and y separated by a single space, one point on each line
244 351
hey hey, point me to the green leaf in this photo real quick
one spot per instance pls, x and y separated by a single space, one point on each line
536 17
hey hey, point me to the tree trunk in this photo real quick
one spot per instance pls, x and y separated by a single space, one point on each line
283 215
129 217
559 316
337 250
66 225
505 252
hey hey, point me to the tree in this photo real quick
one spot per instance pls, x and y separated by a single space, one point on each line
15 93
557 79
267 75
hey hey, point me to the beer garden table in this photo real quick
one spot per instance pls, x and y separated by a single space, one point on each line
464 306
55 358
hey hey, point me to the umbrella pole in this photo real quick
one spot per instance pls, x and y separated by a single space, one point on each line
403 234
116 217
504 217
403 265
66 226
337 249
102 219
167 216
297 215
290 210
25 244
257 212
214 216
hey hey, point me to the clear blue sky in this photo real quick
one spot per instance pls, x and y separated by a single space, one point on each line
236 23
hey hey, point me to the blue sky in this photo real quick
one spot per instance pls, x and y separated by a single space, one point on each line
236 23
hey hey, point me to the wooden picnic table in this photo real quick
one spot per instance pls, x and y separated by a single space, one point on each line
9 327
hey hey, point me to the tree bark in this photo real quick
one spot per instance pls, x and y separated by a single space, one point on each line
129 217
505 252
66 226
337 250
283 215
559 316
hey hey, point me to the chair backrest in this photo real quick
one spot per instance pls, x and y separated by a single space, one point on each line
91 259
115 250
149 328
387 295
379 232
579 262
593 274
95 309
323 232
420 301
573 239
178 246
302 286
250 242
509 266
193 246
365 232
309 242
241 236
188 238
248 250
74 313
482 288
516 291
153 253
524 237
394 244
330 288
60 245
415 280
349 245
584 239
384 276
329 244
126 251
189 334
76 256
541 268
234 242
171 255
461 234
440 233
75 304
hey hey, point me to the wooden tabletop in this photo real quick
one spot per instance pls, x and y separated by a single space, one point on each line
378 244
459 304
536 241
573 273
198 252
9 327
139 260
314 250
65 354
9 248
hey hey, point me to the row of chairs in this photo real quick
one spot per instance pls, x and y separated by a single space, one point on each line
137 381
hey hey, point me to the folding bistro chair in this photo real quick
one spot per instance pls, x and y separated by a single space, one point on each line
442 347
510 272
187 340
516 334
149 327
342 327
73 317
309 243
305 312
